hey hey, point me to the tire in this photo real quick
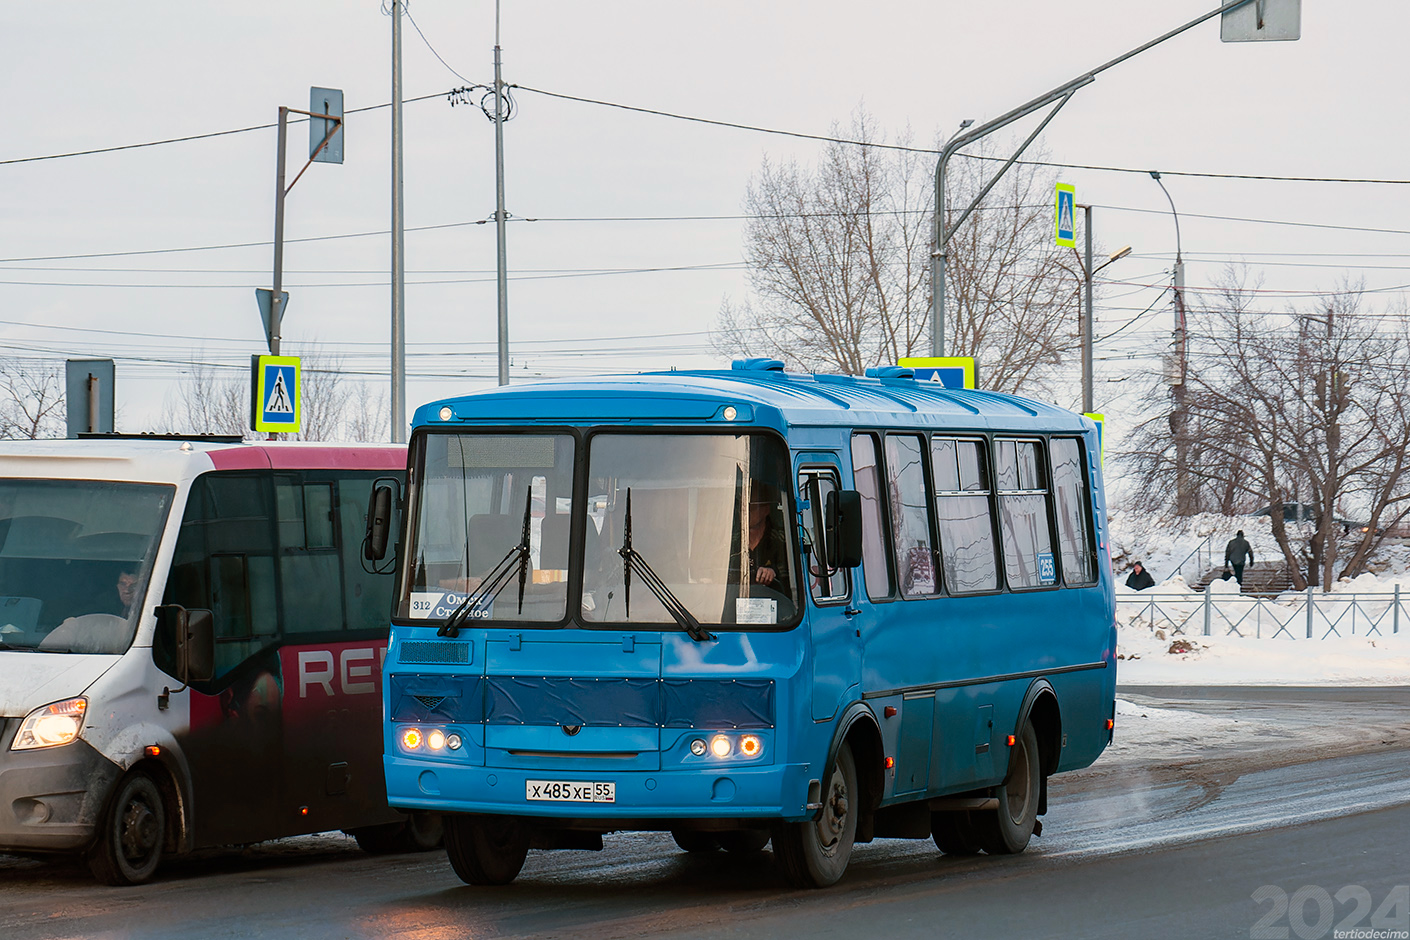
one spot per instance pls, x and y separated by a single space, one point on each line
420 832
691 841
132 834
1006 831
814 854
486 850
743 841
954 833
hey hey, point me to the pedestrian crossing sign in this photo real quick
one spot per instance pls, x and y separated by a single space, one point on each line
274 404
945 371
1066 216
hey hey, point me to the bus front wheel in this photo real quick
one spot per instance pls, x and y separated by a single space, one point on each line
131 835
814 854
486 850
1006 831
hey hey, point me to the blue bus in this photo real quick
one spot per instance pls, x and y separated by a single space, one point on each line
745 606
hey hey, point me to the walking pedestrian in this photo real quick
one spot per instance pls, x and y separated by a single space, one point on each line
1237 554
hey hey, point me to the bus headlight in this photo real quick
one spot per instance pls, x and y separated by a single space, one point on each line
720 746
51 725
411 738
436 739
697 747
750 745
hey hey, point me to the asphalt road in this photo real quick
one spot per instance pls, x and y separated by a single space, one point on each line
1153 843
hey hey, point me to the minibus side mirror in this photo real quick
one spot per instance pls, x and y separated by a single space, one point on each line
190 635
844 529
379 523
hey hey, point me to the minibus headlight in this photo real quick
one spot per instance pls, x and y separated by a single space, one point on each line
51 725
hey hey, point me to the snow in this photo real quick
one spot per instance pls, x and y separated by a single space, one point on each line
1170 648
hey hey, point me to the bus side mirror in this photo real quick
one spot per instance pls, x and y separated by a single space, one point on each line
379 523
191 635
844 529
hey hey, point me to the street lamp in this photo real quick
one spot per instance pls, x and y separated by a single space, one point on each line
1177 382
1088 272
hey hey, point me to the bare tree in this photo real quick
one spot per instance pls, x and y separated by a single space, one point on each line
31 399
208 403
368 417
839 260
1308 408
325 395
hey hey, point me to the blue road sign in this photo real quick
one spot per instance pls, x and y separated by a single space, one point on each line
1066 213
275 403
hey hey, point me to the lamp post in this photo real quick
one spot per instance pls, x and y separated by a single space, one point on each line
1088 272
1177 381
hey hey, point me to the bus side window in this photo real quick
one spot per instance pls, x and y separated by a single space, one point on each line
367 597
1074 511
962 509
1023 515
828 585
867 480
910 515
310 580
224 563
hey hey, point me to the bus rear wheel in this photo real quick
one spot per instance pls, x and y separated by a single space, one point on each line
132 833
692 841
814 854
420 832
954 833
743 841
1006 831
486 850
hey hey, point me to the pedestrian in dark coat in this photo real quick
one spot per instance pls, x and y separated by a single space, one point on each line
1238 553
1139 579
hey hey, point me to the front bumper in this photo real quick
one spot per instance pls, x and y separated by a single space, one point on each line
775 791
51 798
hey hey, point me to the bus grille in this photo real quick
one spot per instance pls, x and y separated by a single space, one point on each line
432 652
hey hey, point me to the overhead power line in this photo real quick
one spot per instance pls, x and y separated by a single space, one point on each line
190 137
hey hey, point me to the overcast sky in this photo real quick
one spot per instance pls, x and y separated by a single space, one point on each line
588 293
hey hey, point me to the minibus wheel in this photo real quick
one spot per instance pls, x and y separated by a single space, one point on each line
486 850
692 841
743 841
954 834
1006 831
814 854
131 834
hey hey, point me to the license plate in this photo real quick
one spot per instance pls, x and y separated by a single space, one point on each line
570 791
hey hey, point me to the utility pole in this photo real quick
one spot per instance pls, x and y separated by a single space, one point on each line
276 300
398 417
499 217
1087 406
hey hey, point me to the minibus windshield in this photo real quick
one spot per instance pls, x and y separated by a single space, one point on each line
712 516
75 557
713 538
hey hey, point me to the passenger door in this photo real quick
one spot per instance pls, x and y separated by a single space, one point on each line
830 613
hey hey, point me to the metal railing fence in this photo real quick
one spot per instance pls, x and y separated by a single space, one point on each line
1298 615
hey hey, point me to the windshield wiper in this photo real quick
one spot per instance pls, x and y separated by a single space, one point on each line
497 579
631 558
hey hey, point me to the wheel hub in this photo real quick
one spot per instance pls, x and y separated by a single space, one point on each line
139 830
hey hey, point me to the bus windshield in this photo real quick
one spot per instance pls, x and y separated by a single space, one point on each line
75 556
710 518
709 513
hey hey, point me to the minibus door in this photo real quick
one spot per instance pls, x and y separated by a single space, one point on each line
836 664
